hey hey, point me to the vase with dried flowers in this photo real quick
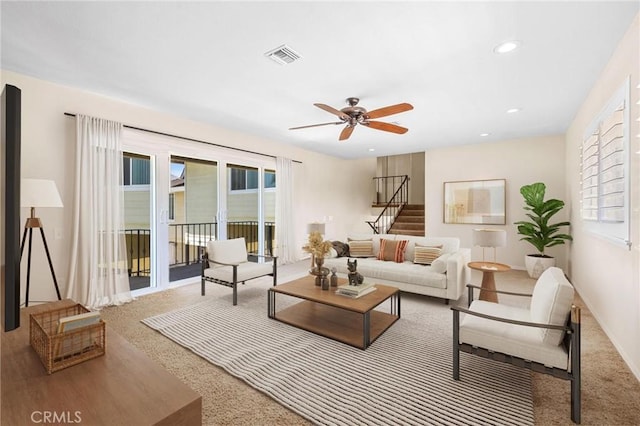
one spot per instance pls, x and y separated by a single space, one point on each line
318 248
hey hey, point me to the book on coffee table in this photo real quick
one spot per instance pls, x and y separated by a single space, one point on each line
368 290
354 289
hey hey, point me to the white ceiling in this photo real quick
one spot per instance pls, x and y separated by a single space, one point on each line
205 61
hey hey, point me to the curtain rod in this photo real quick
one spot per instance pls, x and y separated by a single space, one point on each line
191 139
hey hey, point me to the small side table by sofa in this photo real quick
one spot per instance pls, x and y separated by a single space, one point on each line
488 280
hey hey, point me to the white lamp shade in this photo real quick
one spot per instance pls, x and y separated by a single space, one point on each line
490 237
39 193
315 227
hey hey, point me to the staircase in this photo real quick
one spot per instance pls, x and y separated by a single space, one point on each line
410 221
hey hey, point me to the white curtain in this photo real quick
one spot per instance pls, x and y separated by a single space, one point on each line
285 235
98 264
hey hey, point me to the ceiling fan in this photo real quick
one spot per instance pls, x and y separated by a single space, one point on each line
353 115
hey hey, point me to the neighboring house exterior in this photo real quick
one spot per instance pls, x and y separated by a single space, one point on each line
193 207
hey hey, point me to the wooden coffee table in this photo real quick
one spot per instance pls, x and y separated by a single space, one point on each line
350 321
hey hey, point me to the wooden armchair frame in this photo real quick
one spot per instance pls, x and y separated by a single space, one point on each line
571 342
234 284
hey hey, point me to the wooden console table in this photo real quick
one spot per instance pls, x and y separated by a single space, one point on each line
122 387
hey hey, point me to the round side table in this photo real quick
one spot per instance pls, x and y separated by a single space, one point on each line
488 280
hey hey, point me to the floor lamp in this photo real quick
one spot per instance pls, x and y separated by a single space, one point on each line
38 193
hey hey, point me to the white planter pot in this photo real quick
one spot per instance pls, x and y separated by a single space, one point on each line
537 265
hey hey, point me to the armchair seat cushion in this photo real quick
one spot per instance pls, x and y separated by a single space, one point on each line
246 271
511 339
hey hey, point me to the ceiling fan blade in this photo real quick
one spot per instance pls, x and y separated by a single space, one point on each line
332 110
346 132
315 125
390 110
387 127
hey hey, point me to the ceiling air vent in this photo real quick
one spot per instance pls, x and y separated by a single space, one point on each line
283 55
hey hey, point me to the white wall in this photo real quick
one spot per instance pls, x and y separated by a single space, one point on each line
325 186
607 276
520 162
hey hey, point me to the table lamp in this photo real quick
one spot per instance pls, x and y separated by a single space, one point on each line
489 238
38 193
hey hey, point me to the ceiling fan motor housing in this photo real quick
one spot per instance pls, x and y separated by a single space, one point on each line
354 111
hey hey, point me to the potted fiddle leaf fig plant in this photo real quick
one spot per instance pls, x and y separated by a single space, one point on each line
539 231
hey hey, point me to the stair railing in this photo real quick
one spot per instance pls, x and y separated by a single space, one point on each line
393 206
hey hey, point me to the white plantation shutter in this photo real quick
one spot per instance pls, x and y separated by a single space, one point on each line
604 166
590 178
612 168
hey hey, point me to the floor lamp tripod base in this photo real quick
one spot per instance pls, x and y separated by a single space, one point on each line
34 222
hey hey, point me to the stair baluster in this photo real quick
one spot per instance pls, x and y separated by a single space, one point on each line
397 216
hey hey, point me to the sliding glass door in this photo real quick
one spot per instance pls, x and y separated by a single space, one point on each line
181 194
193 210
138 206
251 207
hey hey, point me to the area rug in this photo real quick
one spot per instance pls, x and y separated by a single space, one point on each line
403 378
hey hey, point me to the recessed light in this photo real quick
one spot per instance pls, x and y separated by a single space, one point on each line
371 149
506 47
513 110
484 134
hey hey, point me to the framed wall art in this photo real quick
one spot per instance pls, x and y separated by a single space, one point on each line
475 201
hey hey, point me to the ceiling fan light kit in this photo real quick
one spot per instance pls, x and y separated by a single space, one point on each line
352 115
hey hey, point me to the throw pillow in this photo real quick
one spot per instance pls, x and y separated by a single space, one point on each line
440 264
360 248
392 250
425 255
341 248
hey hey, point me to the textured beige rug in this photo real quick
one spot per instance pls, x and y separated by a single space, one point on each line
403 378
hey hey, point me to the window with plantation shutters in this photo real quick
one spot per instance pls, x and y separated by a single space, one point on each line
604 170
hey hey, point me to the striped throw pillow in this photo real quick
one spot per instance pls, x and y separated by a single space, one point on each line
392 250
424 255
360 248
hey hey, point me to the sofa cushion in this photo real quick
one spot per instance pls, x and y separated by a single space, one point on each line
440 264
551 303
517 340
425 255
360 248
392 250
227 251
374 270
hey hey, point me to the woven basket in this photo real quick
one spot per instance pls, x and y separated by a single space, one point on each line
58 350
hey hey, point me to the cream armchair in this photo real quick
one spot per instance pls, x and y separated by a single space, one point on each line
544 338
226 262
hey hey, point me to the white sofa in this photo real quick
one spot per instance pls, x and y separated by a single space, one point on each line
445 279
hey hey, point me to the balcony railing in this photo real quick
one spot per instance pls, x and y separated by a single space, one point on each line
188 240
